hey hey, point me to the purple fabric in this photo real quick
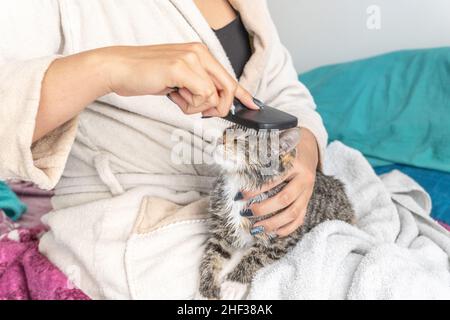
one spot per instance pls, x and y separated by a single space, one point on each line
6 224
445 226
38 202
25 274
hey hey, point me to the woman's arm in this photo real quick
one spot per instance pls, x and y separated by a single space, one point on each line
73 82
40 98
69 85
20 91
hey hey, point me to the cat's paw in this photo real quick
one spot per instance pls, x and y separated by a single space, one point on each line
231 290
209 292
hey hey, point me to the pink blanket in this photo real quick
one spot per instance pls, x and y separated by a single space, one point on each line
38 202
25 274
445 226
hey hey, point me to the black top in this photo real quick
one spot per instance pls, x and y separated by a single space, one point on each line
236 43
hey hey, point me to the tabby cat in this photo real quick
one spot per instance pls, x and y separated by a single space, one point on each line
231 229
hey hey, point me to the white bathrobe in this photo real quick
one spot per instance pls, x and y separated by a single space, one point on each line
116 182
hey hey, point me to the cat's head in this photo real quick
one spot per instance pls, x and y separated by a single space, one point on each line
266 153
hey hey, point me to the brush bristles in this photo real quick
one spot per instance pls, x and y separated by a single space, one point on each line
253 132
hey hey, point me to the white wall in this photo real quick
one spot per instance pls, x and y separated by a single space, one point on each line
319 32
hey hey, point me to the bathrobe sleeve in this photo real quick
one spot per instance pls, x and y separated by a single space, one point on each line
25 56
280 85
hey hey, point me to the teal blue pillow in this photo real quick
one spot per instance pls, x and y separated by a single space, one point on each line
394 108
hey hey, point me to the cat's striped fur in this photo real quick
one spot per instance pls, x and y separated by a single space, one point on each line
231 232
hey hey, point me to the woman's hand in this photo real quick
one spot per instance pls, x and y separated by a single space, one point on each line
71 83
294 197
202 83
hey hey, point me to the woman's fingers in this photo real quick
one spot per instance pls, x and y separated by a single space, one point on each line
251 194
245 98
223 80
294 225
186 95
211 113
278 223
229 87
176 98
221 89
204 84
222 108
198 91
283 199
211 98
242 95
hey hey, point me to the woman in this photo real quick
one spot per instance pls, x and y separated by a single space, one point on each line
83 88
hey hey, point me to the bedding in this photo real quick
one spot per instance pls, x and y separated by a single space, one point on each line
10 204
6 224
436 183
394 108
446 226
25 274
395 251
38 203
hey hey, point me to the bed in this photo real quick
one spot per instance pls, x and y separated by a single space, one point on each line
395 109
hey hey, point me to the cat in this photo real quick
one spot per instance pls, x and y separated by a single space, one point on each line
230 232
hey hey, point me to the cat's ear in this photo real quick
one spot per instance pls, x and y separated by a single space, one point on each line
289 140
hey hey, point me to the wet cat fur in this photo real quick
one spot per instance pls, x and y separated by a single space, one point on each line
230 232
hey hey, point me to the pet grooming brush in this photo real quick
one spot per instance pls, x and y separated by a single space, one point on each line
266 119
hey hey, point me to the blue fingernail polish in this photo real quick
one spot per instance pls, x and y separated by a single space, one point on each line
239 196
257 230
259 103
247 213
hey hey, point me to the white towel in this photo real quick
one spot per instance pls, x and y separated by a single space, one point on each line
396 251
